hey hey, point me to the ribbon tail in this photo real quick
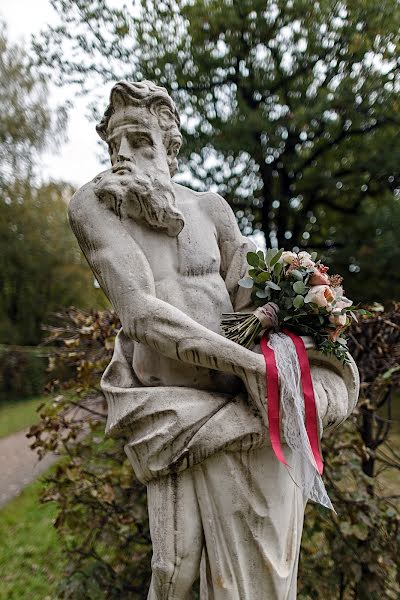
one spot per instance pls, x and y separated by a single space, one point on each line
309 399
273 399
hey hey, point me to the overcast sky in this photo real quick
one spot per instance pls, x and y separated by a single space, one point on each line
77 160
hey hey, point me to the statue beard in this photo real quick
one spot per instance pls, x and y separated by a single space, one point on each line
141 197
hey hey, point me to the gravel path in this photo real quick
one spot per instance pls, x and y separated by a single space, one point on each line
19 465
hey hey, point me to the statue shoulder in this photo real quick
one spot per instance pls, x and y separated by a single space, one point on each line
210 202
84 200
218 209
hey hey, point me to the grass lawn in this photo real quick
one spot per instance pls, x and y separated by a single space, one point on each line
16 415
30 553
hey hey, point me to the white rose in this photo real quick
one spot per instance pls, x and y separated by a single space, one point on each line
338 291
342 303
288 257
305 260
336 317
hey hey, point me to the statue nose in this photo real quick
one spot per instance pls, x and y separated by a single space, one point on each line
124 151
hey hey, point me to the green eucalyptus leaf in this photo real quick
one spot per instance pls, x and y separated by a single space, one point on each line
288 303
278 269
298 301
273 286
263 293
314 256
263 277
296 274
275 258
299 287
253 259
246 282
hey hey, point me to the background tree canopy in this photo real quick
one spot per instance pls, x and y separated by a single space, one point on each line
41 267
289 109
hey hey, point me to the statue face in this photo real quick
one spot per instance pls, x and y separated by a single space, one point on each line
139 184
135 139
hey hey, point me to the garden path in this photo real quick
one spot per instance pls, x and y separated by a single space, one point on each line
19 465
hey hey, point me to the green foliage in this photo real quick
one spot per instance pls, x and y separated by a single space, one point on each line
353 554
102 517
31 560
26 123
22 372
41 267
102 508
289 109
16 415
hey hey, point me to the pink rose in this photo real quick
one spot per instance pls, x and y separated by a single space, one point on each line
318 278
321 295
336 333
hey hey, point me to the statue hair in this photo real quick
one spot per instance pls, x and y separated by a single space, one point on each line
159 103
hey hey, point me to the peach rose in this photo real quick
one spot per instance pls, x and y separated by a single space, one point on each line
321 295
336 333
318 278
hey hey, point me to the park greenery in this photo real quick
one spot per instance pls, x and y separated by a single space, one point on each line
31 556
351 555
41 267
290 110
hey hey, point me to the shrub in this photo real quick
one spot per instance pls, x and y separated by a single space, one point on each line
102 508
22 371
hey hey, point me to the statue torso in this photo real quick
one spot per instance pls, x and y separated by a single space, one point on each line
186 272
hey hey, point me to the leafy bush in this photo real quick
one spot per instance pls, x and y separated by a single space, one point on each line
22 371
102 515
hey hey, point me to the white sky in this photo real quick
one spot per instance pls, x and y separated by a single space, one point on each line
76 162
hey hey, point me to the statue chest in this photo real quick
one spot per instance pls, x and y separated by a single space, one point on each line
193 253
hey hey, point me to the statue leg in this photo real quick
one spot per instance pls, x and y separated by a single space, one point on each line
252 515
176 534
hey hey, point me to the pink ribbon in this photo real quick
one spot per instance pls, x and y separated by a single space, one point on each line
308 394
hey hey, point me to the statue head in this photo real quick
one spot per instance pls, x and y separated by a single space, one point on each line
141 128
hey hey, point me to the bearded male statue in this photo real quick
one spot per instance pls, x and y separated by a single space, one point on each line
191 402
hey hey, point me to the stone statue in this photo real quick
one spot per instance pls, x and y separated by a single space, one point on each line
191 402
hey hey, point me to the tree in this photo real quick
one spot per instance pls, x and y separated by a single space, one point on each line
289 108
26 121
41 268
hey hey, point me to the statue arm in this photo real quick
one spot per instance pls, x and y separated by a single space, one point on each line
125 275
234 248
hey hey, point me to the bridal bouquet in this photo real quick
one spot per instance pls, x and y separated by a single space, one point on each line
293 290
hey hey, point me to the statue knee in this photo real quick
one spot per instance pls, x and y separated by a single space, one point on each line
173 580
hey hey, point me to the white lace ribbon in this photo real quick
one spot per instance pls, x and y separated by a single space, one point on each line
293 420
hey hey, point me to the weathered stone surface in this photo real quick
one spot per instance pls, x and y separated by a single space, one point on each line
191 401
